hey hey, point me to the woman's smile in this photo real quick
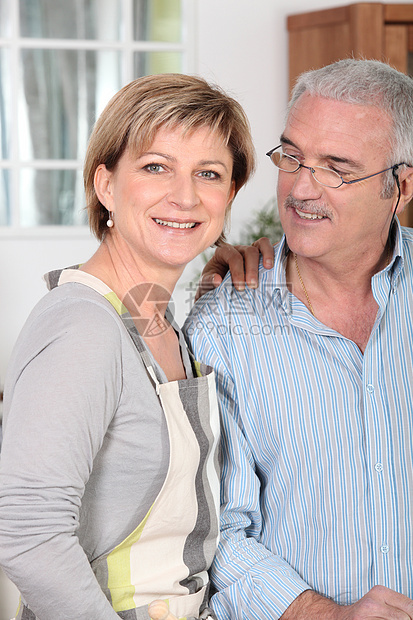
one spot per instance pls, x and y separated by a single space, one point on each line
169 202
175 224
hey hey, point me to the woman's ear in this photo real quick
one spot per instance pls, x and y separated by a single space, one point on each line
232 193
103 187
406 188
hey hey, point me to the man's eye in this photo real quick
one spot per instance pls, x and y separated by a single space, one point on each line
341 173
293 159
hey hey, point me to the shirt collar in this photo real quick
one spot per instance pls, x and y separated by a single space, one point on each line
279 283
397 261
281 250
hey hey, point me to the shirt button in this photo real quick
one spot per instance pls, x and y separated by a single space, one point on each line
384 548
378 467
370 388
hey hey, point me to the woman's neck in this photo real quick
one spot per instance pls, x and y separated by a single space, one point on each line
130 278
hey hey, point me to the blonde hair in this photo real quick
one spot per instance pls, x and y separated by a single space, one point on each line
135 114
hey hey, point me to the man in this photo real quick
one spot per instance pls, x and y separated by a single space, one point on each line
315 367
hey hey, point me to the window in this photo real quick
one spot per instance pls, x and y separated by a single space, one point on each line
60 62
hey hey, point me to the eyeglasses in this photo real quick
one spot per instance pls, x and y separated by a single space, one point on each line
323 176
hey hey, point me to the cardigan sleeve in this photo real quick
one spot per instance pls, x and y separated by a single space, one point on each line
64 383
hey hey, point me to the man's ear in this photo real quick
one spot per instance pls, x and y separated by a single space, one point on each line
103 186
406 188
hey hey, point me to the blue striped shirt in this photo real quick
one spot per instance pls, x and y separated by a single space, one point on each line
317 486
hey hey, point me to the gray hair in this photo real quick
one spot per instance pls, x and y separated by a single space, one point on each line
368 82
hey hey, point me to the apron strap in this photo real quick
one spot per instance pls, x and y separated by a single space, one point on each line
154 378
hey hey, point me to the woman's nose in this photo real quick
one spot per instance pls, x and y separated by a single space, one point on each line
183 193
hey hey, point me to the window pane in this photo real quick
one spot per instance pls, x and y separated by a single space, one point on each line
5 91
151 63
70 19
5 18
4 197
62 93
158 20
52 197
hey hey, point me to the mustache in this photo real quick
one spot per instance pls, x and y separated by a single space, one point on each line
308 206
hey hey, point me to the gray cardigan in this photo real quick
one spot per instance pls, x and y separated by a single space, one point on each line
85 451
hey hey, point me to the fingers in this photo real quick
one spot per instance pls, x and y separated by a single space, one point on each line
234 256
266 248
241 260
159 610
226 257
207 283
402 605
252 254
381 602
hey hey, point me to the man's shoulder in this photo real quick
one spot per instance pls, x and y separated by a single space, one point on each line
407 236
208 309
407 246
225 309
226 301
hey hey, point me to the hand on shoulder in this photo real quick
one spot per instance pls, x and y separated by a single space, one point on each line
241 260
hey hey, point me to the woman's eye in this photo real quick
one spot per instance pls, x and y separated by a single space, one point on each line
153 167
209 174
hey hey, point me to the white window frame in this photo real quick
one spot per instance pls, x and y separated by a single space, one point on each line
128 46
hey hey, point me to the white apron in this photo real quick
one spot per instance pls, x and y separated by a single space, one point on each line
168 554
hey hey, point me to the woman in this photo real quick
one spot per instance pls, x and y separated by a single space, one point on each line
109 477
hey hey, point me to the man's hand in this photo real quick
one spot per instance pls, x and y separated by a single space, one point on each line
379 603
241 260
159 610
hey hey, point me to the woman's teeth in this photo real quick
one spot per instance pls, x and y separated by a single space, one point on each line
175 224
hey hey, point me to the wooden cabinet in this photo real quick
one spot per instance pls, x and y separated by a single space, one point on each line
368 30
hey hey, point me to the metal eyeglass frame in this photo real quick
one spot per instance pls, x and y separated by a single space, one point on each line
343 182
